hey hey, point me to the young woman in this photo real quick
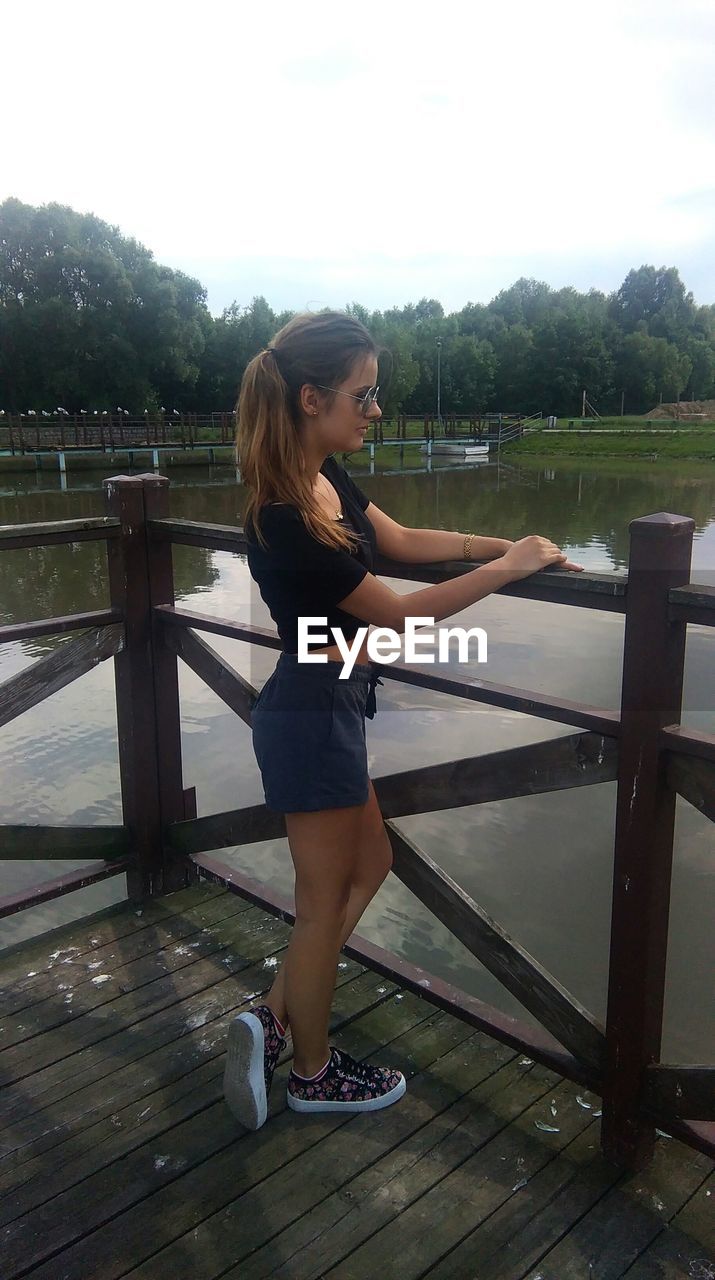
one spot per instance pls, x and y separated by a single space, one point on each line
313 536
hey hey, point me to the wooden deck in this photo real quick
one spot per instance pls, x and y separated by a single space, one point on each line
118 1156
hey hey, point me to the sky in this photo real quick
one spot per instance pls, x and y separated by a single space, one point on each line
323 153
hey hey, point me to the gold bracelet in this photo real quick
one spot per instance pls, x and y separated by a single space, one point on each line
468 546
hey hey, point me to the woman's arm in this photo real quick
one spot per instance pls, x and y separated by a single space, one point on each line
424 546
376 603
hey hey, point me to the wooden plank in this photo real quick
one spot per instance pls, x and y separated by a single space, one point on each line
600 720
121 1202
673 1255
227 683
89 1085
540 1209
465 1189
177 1082
76 967
493 1098
58 626
539 767
692 603
593 590
61 1045
33 842
627 1219
195 533
100 928
49 674
187 618
56 532
694 780
519 972
333 1232
508 1030
696 1219
687 742
183 1079
687 1093
576 760
156 953
700 1135
603 591
48 890
218 830
173 1054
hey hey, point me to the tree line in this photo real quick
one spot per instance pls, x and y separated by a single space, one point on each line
89 320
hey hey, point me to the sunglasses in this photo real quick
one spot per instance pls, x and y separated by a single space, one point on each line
365 401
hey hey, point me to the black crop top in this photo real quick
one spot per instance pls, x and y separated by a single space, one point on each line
298 576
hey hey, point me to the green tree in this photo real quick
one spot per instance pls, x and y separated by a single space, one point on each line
649 367
469 369
236 337
88 318
654 300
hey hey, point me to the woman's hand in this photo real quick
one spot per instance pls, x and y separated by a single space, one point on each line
530 554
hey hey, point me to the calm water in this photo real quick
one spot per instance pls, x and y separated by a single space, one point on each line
540 865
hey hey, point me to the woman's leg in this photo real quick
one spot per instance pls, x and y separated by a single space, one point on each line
364 832
372 864
323 848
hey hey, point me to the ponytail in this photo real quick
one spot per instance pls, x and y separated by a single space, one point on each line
314 348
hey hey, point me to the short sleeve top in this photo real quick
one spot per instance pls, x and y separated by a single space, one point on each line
299 576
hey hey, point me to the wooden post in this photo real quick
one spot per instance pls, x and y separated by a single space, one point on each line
134 678
177 871
140 575
652 684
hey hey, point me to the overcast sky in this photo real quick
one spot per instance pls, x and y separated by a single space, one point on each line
320 153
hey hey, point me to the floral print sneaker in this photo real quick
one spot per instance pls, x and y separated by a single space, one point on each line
254 1045
346 1085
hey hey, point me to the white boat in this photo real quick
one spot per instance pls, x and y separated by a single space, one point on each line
456 449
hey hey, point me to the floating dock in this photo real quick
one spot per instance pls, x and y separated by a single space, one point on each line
455 449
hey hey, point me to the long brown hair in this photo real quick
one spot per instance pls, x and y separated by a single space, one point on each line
312 348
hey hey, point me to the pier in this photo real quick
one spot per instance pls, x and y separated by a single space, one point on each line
567 1149
79 442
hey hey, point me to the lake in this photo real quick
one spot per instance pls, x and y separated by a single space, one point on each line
539 865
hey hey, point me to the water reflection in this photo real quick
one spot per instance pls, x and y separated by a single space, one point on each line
540 865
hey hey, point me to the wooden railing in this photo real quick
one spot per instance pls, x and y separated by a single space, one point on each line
110 432
163 845
30 433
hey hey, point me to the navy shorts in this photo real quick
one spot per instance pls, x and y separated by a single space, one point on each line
309 734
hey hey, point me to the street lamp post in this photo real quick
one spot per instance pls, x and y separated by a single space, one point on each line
439 383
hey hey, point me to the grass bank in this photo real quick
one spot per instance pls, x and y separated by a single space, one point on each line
629 423
698 445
